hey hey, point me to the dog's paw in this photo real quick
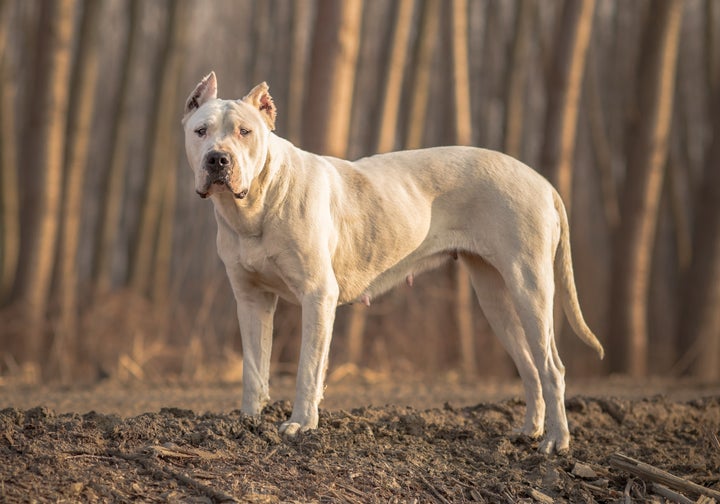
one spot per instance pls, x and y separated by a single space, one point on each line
290 429
530 431
302 419
551 445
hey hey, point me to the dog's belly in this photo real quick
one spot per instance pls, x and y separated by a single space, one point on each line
369 281
405 271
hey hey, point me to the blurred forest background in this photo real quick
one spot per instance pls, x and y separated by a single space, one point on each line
108 261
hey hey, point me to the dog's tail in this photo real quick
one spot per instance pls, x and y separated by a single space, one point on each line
565 282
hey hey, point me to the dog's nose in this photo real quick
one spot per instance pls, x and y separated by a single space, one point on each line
216 161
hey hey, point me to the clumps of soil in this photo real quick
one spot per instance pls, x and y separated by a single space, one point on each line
371 454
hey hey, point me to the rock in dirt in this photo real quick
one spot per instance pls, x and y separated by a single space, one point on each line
583 471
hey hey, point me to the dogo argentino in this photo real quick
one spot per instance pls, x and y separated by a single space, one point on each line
321 231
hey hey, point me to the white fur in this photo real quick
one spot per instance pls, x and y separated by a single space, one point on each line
321 231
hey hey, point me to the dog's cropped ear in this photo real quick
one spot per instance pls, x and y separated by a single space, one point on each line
204 91
259 97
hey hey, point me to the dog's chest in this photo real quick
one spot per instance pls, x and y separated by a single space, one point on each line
251 259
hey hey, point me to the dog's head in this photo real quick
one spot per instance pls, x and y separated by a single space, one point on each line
226 140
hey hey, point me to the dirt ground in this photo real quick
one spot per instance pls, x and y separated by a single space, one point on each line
381 439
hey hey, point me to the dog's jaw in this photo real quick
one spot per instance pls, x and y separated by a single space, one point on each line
239 195
215 185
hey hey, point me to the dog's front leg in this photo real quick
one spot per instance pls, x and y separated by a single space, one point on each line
255 314
318 314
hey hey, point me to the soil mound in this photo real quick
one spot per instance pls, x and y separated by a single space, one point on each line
371 454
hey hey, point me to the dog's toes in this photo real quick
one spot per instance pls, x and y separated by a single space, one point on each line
298 423
549 445
289 429
532 431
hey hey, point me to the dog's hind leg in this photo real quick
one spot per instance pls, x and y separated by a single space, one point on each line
495 301
532 289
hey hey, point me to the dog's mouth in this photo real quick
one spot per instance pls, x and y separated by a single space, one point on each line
219 185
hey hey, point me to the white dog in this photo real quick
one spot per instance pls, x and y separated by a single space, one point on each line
321 231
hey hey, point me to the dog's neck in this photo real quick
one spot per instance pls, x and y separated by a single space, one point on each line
246 216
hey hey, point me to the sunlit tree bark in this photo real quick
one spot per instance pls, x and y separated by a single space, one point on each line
332 76
56 47
427 40
165 151
394 76
602 153
163 134
82 104
516 80
301 30
5 10
9 190
571 42
628 333
699 329
114 183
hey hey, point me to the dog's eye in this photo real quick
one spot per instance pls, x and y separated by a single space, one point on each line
201 131
244 132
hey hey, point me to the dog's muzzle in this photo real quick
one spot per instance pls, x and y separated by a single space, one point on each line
219 166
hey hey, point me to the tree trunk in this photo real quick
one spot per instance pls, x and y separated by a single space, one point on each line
602 153
82 104
633 243
427 40
394 76
329 105
9 189
160 286
114 183
165 152
302 10
517 75
565 86
55 48
335 47
158 169
699 328
5 10
490 94
263 39
712 66
463 136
